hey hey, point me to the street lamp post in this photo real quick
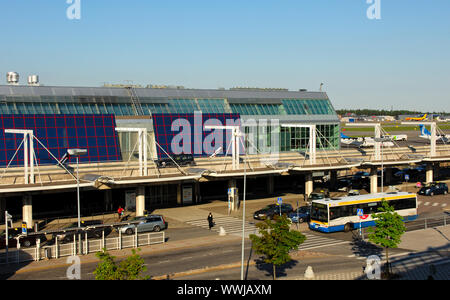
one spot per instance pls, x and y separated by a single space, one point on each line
77 153
382 141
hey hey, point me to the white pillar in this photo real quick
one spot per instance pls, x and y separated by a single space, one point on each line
27 210
309 184
140 201
429 173
373 181
433 140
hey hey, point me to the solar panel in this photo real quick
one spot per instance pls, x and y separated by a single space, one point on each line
184 133
57 133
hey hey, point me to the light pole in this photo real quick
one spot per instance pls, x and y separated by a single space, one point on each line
243 212
382 140
77 153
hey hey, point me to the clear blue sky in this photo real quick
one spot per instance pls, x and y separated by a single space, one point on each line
401 61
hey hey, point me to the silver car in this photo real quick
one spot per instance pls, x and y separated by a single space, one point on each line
154 223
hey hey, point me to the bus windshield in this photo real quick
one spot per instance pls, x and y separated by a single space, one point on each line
319 212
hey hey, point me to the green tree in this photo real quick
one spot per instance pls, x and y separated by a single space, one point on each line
389 227
128 269
275 241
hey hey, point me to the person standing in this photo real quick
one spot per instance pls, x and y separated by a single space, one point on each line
210 221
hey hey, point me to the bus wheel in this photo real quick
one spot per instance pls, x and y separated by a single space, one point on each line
347 227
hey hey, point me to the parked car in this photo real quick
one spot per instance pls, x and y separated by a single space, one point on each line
435 188
67 233
301 216
25 240
316 196
271 210
354 193
344 184
154 223
181 159
323 191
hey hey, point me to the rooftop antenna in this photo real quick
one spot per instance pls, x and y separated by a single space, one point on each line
321 85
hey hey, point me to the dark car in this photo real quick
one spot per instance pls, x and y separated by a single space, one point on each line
181 159
316 196
435 188
323 191
272 210
92 231
344 184
300 216
25 240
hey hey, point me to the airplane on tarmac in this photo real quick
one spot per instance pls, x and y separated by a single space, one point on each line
426 134
423 118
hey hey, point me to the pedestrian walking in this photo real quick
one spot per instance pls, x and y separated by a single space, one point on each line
210 221
120 213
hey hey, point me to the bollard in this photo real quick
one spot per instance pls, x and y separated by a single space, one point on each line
18 251
56 248
87 245
136 237
120 239
222 231
309 273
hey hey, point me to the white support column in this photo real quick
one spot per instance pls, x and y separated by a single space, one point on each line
142 147
27 210
235 143
145 150
312 139
432 136
313 144
140 201
433 140
28 155
373 180
377 135
429 173
309 184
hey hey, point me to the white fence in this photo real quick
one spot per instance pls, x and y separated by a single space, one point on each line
80 247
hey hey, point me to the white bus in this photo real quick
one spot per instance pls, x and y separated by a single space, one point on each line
341 214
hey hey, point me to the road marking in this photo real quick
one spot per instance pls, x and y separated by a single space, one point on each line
444 205
231 225
435 204
427 203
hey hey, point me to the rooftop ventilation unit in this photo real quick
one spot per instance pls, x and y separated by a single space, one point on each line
33 80
12 78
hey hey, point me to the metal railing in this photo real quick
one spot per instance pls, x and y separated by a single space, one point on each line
86 246
421 223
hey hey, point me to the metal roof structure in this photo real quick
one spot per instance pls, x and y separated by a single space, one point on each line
235 96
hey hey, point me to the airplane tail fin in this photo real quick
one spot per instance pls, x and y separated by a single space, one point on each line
424 131
343 136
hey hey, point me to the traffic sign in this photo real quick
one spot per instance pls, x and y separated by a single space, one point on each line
279 201
24 228
360 212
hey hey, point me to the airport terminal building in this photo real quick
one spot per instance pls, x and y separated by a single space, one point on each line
85 117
